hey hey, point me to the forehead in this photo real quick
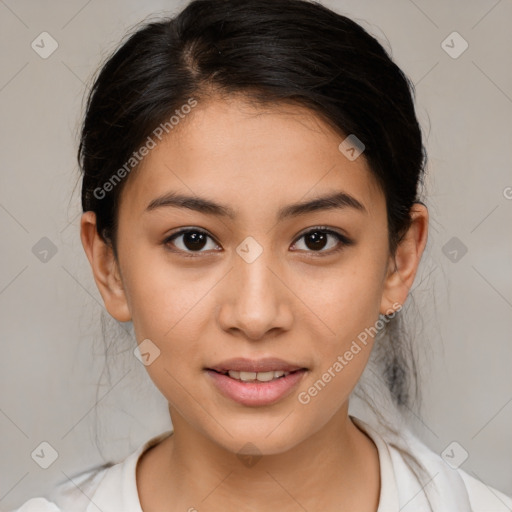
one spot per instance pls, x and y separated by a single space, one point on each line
247 155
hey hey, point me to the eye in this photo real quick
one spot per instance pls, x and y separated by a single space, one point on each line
315 240
189 241
192 240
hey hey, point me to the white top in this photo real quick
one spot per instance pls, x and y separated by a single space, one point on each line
114 489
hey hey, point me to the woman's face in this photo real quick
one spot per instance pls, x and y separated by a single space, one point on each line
256 277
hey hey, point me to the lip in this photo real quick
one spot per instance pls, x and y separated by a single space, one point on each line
254 394
266 364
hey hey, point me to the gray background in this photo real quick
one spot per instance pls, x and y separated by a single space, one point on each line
51 383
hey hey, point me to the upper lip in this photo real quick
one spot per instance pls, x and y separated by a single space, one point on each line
267 364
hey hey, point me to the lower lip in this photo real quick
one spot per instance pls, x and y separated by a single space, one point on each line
256 393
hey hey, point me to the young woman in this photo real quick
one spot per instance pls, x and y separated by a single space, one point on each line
251 173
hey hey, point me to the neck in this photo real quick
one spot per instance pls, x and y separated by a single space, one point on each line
336 468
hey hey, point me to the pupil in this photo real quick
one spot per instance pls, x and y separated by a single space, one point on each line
194 240
318 238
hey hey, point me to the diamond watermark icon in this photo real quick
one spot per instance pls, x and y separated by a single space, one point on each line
352 147
249 250
146 352
44 250
454 250
249 455
454 45
44 45
454 455
44 455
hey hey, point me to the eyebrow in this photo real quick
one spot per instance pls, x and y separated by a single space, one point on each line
337 200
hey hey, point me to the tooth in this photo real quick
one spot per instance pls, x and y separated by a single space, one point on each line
257 376
265 376
247 376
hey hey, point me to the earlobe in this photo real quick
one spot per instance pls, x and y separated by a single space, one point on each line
105 269
403 266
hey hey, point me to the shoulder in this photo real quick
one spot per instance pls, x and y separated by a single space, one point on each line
111 486
38 505
457 483
422 480
74 494
67 496
484 498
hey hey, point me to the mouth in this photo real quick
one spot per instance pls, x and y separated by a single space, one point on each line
242 368
255 383
267 376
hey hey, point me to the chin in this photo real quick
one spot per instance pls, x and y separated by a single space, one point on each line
258 437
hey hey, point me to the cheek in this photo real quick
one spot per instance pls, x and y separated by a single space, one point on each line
171 307
167 309
345 299
344 309
160 295
348 305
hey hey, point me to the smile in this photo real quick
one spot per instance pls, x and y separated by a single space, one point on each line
256 376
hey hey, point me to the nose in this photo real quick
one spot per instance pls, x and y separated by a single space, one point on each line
255 300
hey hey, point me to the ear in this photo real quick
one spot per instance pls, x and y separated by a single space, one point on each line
105 269
403 266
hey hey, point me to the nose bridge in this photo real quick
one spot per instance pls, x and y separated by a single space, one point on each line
252 271
255 300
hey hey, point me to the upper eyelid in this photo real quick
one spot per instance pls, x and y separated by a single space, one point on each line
184 231
321 228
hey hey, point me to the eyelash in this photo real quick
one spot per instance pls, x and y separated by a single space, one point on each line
344 241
